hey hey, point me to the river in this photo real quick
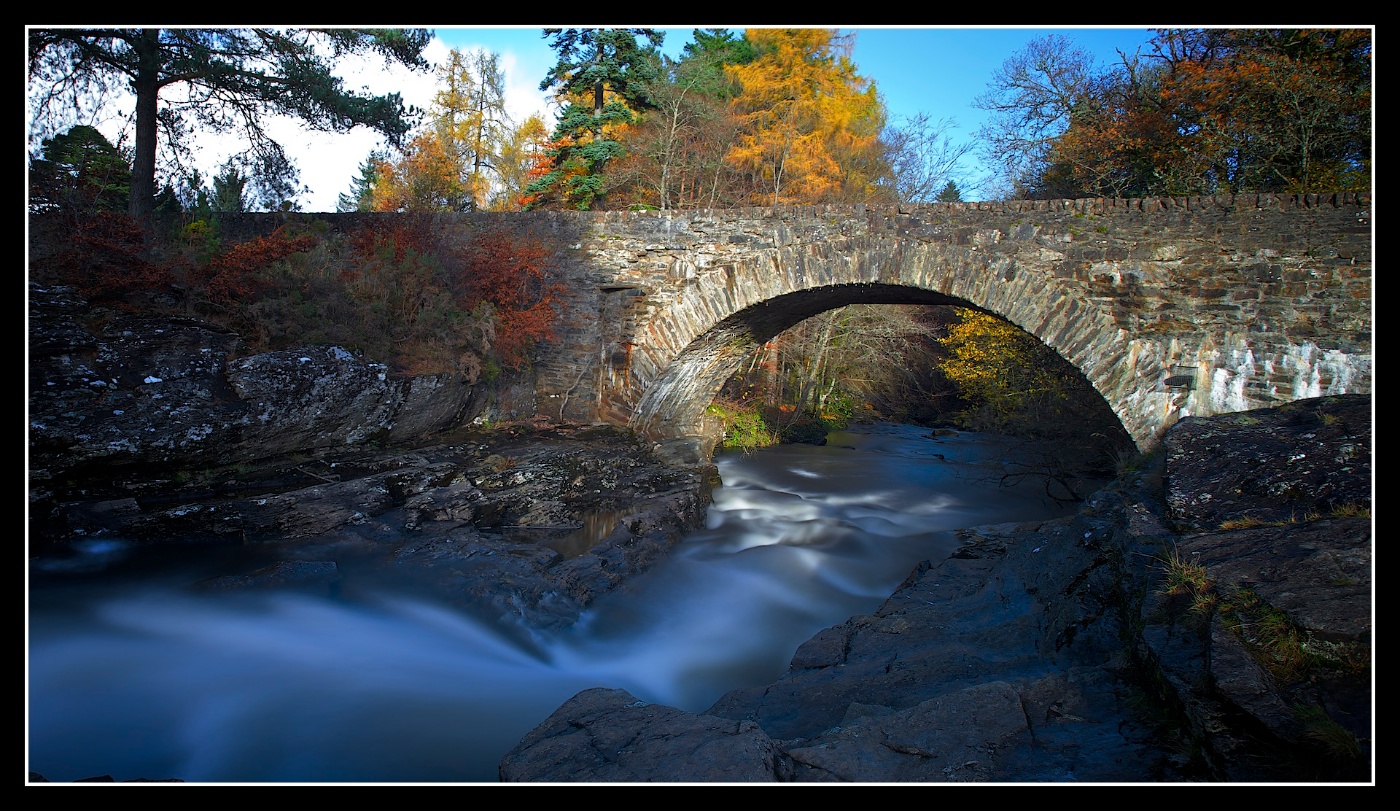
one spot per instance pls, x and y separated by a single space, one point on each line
135 675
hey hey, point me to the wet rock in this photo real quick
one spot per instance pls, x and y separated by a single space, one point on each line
610 736
1064 650
280 574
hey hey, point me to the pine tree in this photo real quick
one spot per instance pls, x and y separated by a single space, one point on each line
593 64
234 77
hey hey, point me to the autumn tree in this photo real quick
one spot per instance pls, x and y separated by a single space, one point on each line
1030 101
1206 111
524 159
602 75
470 118
1120 141
810 124
423 178
454 162
509 273
1011 383
675 153
223 79
1272 109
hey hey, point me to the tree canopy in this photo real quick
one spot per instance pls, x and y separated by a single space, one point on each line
79 170
231 79
456 163
593 63
811 122
1205 111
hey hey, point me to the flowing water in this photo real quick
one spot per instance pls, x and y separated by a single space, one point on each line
132 674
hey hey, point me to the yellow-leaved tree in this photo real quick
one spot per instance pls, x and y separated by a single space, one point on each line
456 162
1006 376
810 124
1013 384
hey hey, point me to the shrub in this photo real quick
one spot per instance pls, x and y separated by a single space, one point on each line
236 274
106 257
744 426
508 274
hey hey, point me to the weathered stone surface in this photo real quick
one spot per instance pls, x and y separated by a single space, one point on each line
1264 466
1317 571
1241 302
610 736
111 391
1171 307
1034 653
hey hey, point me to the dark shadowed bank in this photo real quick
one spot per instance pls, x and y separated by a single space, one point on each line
1206 618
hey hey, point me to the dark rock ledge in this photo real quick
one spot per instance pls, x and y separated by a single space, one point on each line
160 432
1060 651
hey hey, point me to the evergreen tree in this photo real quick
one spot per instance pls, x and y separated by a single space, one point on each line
79 170
593 63
232 78
361 194
229 188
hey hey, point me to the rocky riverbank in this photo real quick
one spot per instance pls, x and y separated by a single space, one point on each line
1206 618
141 430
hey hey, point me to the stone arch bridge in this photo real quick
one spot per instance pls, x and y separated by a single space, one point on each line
1168 306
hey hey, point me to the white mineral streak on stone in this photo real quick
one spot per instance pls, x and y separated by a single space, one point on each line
1227 386
1310 365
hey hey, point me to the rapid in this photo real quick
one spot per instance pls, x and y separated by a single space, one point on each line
133 673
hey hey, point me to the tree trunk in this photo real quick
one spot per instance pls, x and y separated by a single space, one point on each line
812 378
147 88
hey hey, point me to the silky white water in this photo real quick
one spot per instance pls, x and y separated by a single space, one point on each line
136 675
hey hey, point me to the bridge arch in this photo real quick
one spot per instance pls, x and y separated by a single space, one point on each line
1168 306
673 404
751 302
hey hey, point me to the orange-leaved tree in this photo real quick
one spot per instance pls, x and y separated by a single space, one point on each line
810 123
510 274
425 178
1273 109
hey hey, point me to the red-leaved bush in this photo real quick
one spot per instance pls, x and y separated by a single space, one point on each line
106 257
235 274
511 273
